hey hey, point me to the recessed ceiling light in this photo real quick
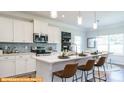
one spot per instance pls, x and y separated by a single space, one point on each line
53 14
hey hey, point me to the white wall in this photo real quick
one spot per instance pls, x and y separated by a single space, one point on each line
108 30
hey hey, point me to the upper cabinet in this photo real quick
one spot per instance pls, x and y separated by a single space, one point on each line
6 29
28 28
23 31
19 31
54 35
13 30
40 27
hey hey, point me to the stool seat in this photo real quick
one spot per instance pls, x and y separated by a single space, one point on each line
69 71
86 68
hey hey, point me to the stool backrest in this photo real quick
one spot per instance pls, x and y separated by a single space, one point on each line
101 61
70 70
89 65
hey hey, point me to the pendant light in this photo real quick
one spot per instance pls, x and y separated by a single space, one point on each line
95 24
53 14
79 19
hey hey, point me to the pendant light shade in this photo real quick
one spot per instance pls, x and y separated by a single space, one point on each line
95 24
53 14
79 20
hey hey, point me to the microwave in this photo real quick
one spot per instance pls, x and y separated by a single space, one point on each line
40 38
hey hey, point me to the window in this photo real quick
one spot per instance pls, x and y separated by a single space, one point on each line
112 43
102 43
77 41
116 44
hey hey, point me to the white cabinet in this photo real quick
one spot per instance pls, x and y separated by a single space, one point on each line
19 35
28 29
23 31
31 64
40 27
25 64
6 29
54 34
7 66
20 65
15 65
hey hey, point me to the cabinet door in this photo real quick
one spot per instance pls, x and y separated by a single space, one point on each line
20 65
6 30
7 68
40 27
57 35
28 29
31 65
50 34
19 34
54 35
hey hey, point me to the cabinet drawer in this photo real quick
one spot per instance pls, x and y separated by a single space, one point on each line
7 68
7 58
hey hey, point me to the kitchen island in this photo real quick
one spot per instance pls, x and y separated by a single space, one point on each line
45 65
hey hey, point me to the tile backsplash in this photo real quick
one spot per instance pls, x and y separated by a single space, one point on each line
26 47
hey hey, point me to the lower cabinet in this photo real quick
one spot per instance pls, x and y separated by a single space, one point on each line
7 68
25 64
31 65
20 64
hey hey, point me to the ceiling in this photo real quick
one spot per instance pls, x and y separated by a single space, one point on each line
104 17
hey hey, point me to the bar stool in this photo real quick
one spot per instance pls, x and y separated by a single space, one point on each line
68 72
86 68
100 63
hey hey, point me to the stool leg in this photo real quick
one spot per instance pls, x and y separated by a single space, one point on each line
73 79
104 72
82 77
110 63
85 76
52 77
62 79
99 74
94 75
65 79
76 77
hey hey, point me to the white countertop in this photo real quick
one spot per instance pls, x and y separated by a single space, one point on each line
54 58
15 54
